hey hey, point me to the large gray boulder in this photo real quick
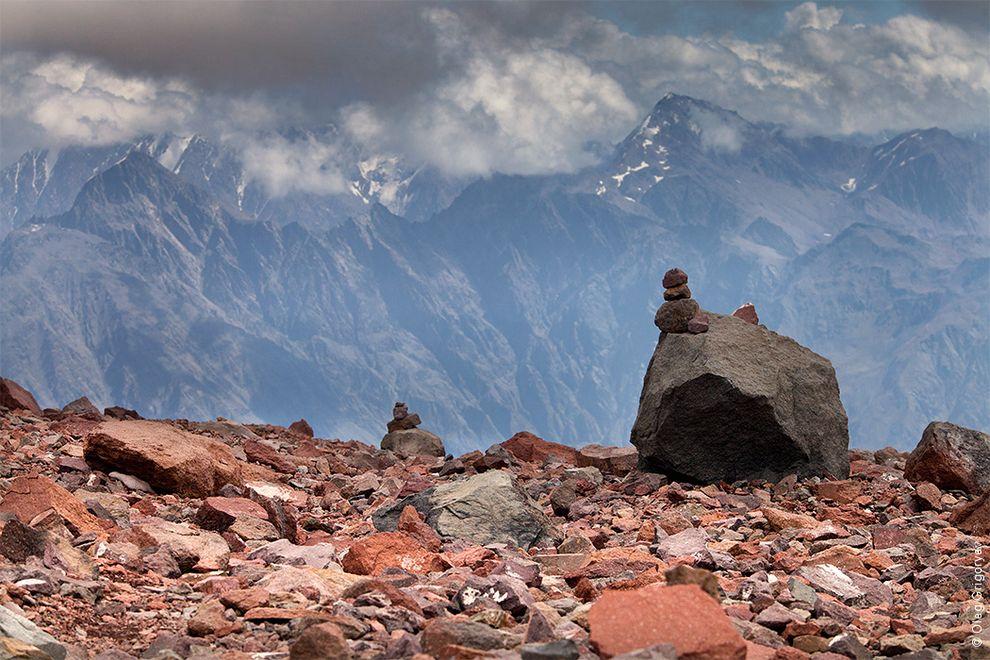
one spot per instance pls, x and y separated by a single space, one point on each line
740 402
413 442
951 457
485 508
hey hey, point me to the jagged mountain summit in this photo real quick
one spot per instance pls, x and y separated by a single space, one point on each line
150 281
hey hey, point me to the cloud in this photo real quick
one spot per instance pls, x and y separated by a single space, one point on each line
717 134
77 102
809 16
472 88
305 164
518 110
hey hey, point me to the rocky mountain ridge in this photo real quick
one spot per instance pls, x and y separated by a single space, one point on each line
516 304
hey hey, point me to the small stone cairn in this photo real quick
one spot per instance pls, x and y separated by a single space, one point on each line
402 420
679 313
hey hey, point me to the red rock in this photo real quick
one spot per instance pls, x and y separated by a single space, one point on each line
682 615
610 460
779 519
679 292
952 458
674 277
973 517
283 614
928 496
169 459
219 513
82 406
699 324
31 495
301 427
320 642
15 397
532 449
373 554
119 412
259 452
413 524
243 600
747 313
840 492
209 621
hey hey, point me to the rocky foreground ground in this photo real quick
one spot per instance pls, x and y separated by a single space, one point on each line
130 538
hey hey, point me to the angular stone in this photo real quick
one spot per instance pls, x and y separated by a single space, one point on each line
682 615
17 627
31 495
973 517
264 454
285 552
219 513
375 554
952 458
301 427
738 403
440 634
169 459
82 406
532 449
706 580
485 508
195 550
121 413
320 641
698 325
413 442
674 315
15 397
609 460
747 312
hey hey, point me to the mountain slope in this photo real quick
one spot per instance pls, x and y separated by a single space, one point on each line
526 303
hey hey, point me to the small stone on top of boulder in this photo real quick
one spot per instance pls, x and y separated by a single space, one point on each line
676 314
405 439
747 312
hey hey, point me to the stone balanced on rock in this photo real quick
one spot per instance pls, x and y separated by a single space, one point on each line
679 313
405 439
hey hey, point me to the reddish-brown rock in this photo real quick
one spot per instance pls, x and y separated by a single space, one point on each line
747 313
674 277
320 642
82 406
259 452
375 553
31 495
219 513
610 460
169 459
412 523
532 449
973 517
682 615
952 458
15 397
301 427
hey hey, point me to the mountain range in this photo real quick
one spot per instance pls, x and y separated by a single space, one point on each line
163 275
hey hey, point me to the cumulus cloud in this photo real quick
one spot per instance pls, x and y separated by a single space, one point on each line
808 15
470 88
78 102
306 164
518 110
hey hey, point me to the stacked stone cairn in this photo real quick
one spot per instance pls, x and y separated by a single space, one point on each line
679 313
402 420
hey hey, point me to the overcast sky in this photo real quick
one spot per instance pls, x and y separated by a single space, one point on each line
475 88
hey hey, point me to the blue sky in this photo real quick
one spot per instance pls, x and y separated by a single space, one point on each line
474 87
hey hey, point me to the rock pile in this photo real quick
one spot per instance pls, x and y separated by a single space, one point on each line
306 548
738 402
405 439
679 313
